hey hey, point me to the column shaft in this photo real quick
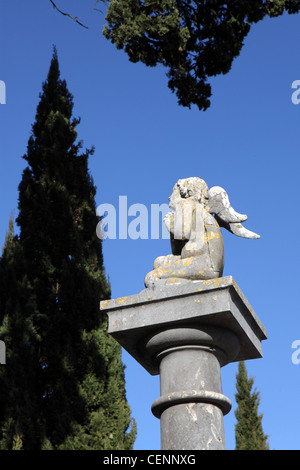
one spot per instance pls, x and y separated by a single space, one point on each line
192 425
191 405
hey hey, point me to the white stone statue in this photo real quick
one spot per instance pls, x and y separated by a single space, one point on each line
196 239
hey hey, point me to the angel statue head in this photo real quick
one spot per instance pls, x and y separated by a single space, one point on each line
194 222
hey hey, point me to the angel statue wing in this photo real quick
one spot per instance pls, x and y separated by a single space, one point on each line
226 216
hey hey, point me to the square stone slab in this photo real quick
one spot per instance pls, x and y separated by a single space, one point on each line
217 302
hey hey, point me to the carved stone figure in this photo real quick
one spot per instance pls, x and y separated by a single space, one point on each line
194 222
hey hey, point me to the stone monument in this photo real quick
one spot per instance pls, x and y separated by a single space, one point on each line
189 321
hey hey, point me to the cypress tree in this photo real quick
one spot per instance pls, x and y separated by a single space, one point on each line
10 234
249 433
63 384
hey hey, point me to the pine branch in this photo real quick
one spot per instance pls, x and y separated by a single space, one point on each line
75 18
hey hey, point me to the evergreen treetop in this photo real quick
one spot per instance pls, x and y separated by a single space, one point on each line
248 429
63 385
9 235
193 39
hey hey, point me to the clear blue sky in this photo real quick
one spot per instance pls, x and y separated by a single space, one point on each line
247 142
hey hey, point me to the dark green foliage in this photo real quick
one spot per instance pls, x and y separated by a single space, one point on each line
9 235
63 383
194 39
249 433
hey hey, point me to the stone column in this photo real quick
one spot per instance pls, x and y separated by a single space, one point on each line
186 333
192 405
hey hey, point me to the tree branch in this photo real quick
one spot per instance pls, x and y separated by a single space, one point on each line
67 14
97 9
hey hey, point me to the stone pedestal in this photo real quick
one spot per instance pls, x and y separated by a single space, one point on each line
186 332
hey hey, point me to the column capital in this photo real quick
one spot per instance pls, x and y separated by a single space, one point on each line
187 305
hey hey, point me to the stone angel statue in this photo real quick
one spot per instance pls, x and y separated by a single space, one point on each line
194 222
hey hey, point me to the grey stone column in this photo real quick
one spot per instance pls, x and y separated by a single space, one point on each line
186 333
192 405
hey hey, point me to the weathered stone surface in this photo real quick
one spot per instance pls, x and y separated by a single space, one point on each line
190 321
186 331
217 302
193 426
196 239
